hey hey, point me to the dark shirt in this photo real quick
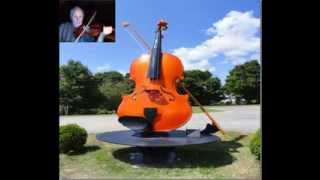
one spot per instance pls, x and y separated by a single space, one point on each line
66 34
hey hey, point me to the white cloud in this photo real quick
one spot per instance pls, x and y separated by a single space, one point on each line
201 64
212 69
234 37
108 67
103 68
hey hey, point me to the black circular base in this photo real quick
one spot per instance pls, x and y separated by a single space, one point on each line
171 139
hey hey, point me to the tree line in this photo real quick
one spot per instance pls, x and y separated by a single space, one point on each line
82 92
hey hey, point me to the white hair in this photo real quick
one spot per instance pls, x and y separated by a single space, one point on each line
74 9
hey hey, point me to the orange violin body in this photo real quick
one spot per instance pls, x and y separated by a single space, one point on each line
155 105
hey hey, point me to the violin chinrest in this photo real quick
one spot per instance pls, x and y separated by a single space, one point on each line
134 123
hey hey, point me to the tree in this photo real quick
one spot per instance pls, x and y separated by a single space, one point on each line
113 85
243 81
112 76
214 89
203 86
78 90
113 91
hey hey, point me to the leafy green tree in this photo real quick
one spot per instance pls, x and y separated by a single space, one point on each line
78 90
214 89
203 86
243 81
130 84
113 85
112 93
112 76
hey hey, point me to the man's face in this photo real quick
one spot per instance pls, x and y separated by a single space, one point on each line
77 18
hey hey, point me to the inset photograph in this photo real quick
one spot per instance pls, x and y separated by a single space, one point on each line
87 21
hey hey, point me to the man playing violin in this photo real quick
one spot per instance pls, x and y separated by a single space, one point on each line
66 30
76 31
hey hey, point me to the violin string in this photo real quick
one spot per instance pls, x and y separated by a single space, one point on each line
141 39
135 35
89 22
142 48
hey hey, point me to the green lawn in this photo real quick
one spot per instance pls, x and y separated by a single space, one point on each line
226 159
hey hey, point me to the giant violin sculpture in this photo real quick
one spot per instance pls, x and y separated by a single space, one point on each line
155 105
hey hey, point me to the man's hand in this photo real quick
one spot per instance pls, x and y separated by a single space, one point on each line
106 31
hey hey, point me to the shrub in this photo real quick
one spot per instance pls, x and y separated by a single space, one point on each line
105 111
255 144
72 137
87 111
228 103
102 111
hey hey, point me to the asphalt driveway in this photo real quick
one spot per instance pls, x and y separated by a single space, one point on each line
244 118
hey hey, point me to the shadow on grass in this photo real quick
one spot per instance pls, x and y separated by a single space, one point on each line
214 154
85 149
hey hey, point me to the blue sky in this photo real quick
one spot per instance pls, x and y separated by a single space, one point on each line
206 34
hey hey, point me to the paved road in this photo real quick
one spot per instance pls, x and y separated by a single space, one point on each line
236 118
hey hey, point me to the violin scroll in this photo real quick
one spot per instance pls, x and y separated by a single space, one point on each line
162 24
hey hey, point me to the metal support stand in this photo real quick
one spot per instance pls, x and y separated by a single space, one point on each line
153 154
153 147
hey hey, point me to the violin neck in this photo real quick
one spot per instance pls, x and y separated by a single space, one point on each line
155 61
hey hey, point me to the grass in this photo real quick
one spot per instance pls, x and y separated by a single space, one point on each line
230 158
